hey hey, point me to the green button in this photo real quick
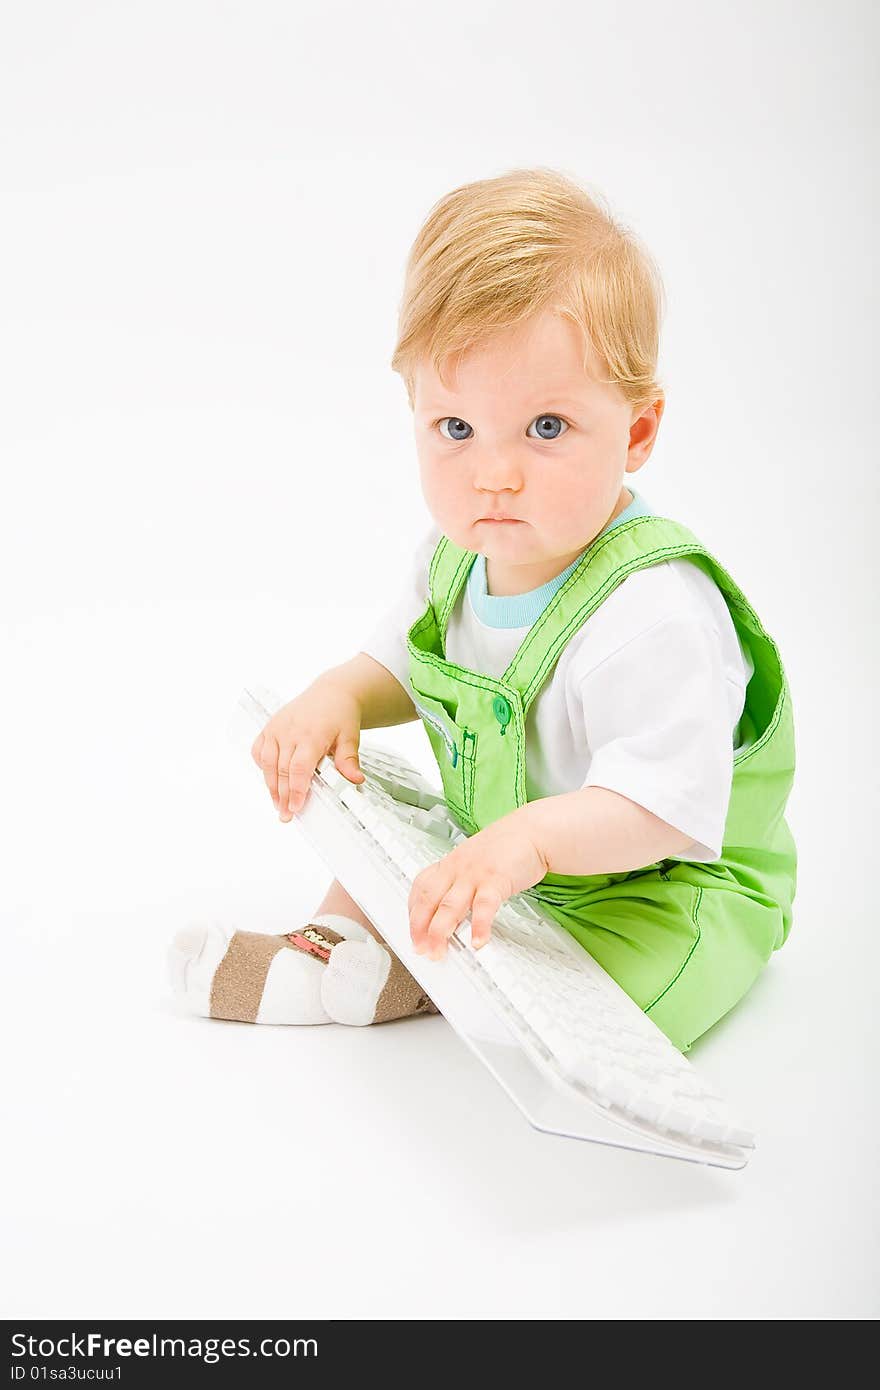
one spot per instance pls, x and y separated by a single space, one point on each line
501 711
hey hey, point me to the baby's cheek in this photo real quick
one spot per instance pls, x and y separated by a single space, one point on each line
443 496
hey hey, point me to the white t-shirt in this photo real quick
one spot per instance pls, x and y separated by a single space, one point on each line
645 699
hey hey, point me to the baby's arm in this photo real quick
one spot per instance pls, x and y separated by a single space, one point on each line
588 831
597 831
382 699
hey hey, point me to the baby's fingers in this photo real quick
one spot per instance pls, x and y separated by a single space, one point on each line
486 903
268 760
345 756
302 767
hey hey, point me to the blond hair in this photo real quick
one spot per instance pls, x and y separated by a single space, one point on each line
492 254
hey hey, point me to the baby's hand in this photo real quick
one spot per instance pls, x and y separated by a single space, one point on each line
476 877
326 718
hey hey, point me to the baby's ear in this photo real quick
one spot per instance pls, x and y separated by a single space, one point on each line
642 436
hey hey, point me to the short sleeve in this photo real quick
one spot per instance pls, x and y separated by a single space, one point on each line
386 643
658 727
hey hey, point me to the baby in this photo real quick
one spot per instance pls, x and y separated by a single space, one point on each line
611 721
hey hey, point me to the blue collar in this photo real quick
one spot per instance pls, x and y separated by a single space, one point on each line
521 610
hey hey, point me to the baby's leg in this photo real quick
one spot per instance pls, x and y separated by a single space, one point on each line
337 968
338 901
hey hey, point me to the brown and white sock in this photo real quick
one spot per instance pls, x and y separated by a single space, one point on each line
331 971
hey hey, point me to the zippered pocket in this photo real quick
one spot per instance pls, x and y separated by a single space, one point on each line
454 748
436 723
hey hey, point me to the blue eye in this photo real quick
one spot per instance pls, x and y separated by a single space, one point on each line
546 424
456 424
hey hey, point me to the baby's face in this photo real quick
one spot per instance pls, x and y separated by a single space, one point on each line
525 434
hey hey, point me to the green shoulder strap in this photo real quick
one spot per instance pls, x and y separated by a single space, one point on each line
615 554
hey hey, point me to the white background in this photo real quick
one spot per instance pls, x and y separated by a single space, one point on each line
209 481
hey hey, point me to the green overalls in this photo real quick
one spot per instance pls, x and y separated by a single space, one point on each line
685 940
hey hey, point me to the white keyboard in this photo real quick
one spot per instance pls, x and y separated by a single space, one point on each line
569 1046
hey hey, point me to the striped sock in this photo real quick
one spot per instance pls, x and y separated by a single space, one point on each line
331 970
365 982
